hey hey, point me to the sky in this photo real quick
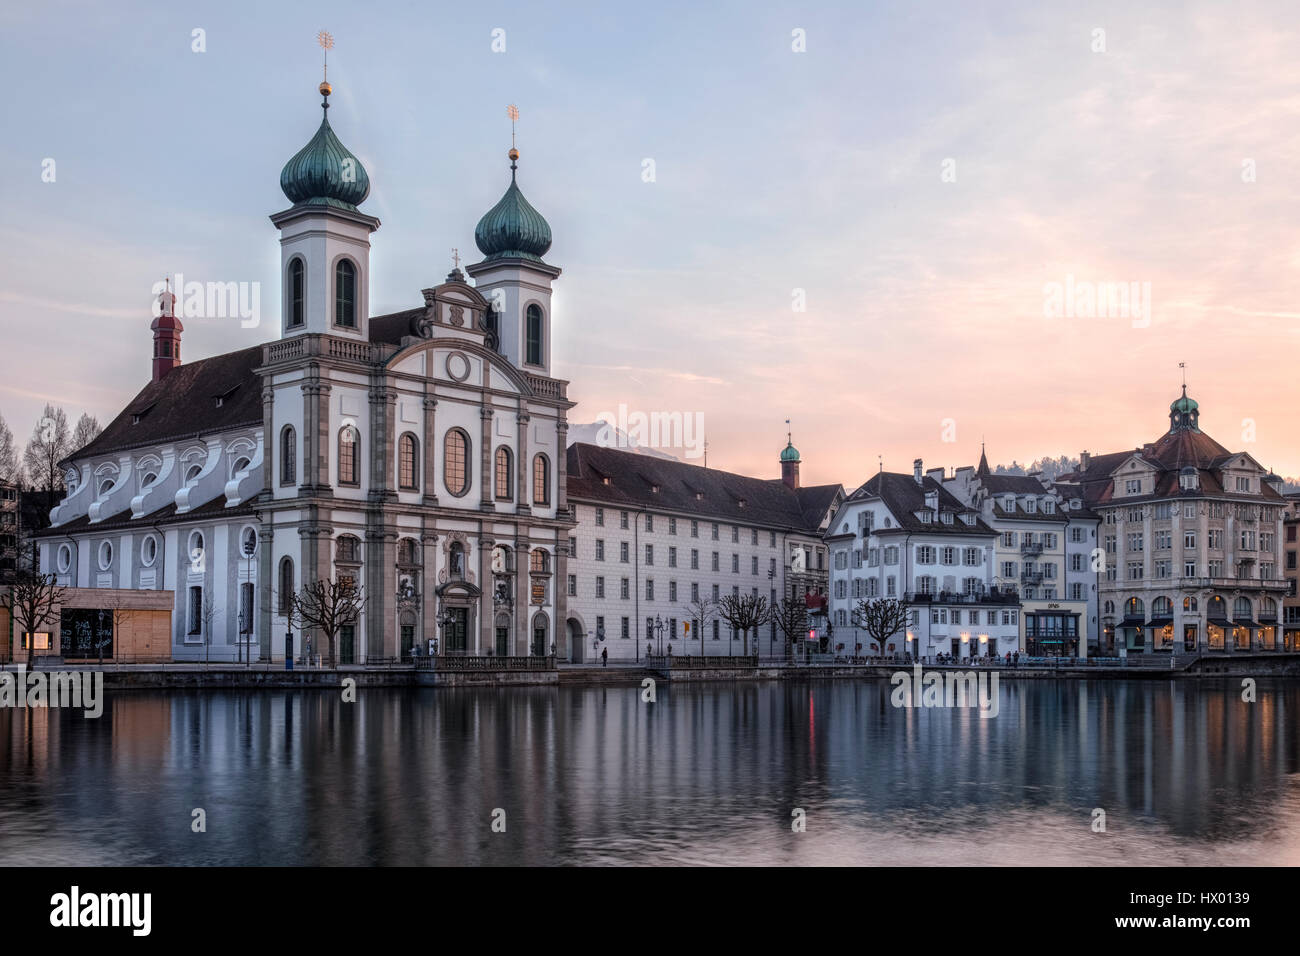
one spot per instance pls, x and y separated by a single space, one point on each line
870 236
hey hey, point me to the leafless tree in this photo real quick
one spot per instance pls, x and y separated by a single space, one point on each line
701 610
86 431
50 443
208 613
791 618
8 455
33 602
328 606
744 612
882 618
119 609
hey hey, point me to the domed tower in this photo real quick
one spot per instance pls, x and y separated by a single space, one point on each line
790 465
1184 414
167 331
513 237
324 238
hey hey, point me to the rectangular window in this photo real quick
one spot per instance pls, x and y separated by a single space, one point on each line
622 552
672 557
600 587
622 519
649 555
624 589
600 517
672 525
672 590
649 589
573 585
196 610
626 632
695 559
600 549
695 529
715 561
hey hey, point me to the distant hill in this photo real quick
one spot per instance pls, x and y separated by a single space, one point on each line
608 436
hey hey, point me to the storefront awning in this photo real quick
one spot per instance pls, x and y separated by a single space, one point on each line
1247 623
1219 622
1161 621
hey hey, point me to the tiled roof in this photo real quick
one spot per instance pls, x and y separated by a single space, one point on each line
184 403
690 489
904 497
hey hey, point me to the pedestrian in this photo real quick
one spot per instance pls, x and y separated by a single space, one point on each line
604 657
1015 658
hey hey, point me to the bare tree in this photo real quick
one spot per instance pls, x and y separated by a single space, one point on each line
208 612
791 618
328 606
701 610
882 618
86 431
33 602
8 455
121 612
744 612
49 445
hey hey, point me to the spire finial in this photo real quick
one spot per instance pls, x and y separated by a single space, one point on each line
1183 366
513 112
789 437
326 42
455 258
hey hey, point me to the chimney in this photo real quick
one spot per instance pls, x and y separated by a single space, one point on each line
167 331
916 470
1084 459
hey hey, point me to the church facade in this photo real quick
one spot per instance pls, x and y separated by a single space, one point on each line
420 454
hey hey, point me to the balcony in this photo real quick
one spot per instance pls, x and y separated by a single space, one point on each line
1031 577
1241 584
983 596
1031 550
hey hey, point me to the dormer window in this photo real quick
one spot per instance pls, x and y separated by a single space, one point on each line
1133 486
225 396
741 503
604 479
1009 503
925 517
138 415
1049 506
1030 506
947 517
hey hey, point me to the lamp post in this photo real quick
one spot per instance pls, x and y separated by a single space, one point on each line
659 633
445 619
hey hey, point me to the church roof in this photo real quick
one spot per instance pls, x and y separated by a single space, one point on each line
513 229
904 498
193 399
325 172
690 489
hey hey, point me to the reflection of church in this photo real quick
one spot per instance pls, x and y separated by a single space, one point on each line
420 453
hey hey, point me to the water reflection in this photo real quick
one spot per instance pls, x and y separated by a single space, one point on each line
1186 772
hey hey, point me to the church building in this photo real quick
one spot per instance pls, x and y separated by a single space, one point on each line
421 454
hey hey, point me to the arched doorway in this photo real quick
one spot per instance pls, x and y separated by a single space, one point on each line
577 641
539 644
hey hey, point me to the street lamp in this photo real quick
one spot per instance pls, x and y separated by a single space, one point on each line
445 619
659 633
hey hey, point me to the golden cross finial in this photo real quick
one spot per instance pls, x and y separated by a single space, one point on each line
326 42
513 112
455 257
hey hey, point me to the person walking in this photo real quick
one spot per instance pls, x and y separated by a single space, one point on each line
604 656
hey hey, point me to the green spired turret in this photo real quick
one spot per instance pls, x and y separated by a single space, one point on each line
513 229
1184 413
325 172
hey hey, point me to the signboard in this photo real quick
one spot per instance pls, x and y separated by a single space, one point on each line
539 592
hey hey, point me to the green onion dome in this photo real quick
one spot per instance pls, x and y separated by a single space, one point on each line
513 229
324 171
789 452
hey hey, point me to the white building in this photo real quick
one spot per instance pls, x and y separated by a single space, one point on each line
656 534
907 537
420 453
1039 553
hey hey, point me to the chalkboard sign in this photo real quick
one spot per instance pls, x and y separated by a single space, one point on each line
84 631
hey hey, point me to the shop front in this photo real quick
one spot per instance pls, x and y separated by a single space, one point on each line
1052 630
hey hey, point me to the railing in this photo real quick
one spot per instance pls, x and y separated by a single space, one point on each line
546 387
468 663
1029 550
990 596
1031 577
1265 584
673 662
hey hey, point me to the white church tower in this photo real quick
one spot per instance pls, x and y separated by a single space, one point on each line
513 237
325 239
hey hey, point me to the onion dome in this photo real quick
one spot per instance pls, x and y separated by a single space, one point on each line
513 229
789 452
324 171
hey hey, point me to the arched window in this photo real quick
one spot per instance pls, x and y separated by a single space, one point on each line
1216 609
1134 608
288 455
1162 607
455 462
1189 604
503 474
534 322
286 585
349 469
408 456
539 561
541 480
345 294
1241 609
198 560
456 559
297 293
1267 609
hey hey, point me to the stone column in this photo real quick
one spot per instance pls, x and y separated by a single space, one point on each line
265 576
523 610
383 407
560 622
428 582
485 458
430 476
486 611
270 444
381 587
561 466
522 505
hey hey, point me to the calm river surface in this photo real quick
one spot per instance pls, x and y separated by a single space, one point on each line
709 774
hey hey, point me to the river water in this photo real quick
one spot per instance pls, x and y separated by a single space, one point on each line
777 773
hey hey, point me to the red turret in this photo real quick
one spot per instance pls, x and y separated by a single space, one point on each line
167 331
